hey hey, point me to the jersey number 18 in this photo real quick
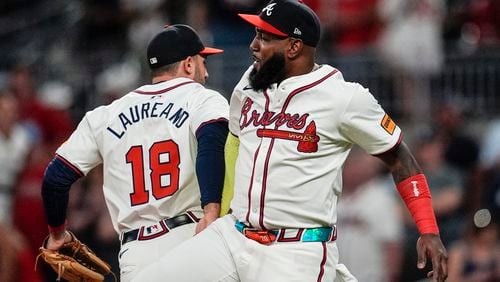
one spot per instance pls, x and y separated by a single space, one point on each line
157 168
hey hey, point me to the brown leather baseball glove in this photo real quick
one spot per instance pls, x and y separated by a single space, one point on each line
75 262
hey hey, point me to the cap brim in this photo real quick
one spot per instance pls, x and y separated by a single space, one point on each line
210 51
256 21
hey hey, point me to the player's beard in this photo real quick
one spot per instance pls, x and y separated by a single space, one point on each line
271 71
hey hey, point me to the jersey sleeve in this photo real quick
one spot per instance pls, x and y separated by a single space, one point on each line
365 123
81 149
211 107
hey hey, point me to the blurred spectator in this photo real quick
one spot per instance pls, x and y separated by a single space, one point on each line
490 164
16 258
370 229
351 27
472 26
349 32
411 40
51 125
411 44
490 147
148 18
446 184
461 150
117 79
15 144
476 258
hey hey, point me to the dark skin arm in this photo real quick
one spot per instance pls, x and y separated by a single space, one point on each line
402 165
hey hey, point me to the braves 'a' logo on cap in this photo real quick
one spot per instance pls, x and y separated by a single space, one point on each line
269 9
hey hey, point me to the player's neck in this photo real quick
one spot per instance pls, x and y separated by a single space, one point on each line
162 78
302 70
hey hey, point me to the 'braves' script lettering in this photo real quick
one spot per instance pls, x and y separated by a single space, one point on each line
253 117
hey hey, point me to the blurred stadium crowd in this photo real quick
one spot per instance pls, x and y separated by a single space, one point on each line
433 64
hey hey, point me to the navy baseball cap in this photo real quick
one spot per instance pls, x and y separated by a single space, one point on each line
175 43
289 18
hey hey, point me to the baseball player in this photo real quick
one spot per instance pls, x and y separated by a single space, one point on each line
162 150
294 123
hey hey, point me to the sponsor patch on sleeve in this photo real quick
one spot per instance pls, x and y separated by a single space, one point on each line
388 124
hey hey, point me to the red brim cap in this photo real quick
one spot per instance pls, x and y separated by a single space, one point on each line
210 51
260 23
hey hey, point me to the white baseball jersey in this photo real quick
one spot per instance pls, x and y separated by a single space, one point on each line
294 139
147 143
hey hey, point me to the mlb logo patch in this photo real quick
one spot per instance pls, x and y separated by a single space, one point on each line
153 60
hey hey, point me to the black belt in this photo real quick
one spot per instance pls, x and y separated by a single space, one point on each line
157 230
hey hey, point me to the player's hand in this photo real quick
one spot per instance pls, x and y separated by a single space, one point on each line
211 213
430 245
57 239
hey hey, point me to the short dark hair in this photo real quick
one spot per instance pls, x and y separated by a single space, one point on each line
165 69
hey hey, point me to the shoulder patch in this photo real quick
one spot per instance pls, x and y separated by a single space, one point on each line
388 124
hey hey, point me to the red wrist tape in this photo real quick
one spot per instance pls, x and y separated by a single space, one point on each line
415 193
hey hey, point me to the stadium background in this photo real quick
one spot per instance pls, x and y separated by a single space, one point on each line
438 78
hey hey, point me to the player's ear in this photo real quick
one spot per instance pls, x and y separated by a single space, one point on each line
294 48
188 65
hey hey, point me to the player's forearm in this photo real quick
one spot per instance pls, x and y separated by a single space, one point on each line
401 163
57 181
210 161
412 187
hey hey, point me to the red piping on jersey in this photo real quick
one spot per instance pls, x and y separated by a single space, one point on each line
323 262
163 90
264 177
73 167
208 122
305 87
251 185
264 184
253 170
266 163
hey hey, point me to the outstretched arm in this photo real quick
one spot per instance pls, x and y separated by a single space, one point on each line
413 188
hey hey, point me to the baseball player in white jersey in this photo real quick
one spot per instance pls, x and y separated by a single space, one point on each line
161 145
294 123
